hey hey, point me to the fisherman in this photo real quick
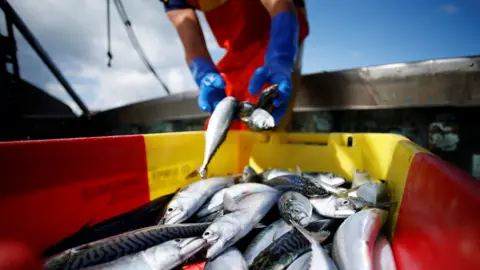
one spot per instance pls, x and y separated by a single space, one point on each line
263 41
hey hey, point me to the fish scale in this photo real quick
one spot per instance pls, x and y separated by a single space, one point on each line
128 243
289 242
297 183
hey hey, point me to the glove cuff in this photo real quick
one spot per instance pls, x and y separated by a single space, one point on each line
284 38
200 67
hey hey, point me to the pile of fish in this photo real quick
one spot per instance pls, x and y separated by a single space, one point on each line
276 219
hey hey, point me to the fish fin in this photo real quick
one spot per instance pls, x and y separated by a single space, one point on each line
259 226
312 237
299 171
202 172
229 204
193 174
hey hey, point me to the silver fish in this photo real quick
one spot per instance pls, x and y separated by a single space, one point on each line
382 255
354 240
187 201
343 193
240 218
112 248
328 248
294 207
216 133
273 173
372 192
327 178
260 120
209 218
235 191
301 263
320 259
299 183
230 259
249 175
367 188
265 238
289 243
165 256
287 259
333 206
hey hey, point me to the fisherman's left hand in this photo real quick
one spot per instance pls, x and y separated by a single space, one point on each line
279 62
279 73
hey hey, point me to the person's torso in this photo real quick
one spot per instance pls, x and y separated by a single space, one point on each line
235 23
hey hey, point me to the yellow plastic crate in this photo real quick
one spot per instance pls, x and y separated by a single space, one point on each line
66 184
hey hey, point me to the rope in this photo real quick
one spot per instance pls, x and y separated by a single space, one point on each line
109 47
133 39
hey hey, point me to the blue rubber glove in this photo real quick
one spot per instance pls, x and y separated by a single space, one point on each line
210 82
279 61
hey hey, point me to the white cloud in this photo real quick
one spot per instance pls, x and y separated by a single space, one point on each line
74 34
449 9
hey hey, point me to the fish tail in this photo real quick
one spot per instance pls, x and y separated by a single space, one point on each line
202 172
312 237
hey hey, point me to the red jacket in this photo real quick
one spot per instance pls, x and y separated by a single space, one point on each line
242 28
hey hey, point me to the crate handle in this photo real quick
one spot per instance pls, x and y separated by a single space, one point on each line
319 139
300 138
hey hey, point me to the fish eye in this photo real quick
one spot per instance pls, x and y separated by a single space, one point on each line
345 202
170 209
206 233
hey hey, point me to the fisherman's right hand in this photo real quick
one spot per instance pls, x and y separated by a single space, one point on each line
210 82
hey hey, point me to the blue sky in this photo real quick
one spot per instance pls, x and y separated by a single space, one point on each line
347 34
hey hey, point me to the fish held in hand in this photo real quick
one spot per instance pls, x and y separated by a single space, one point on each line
265 238
354 240
115 247
239 219
216 133
294 207
230 259
165 256
333 206
236 191
260 120
187 201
